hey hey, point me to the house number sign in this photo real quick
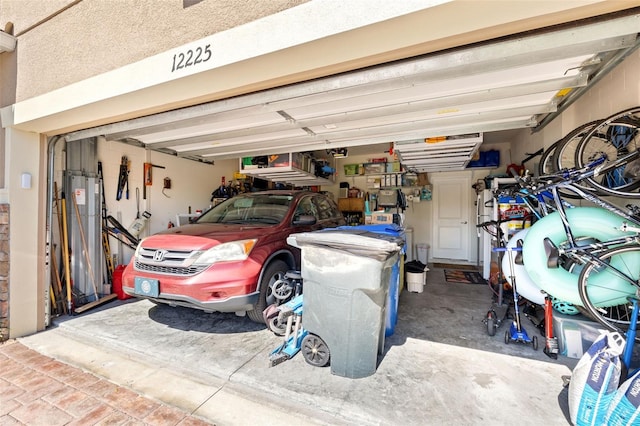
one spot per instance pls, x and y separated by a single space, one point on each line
191 57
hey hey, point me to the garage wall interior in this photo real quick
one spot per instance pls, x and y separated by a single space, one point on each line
114 79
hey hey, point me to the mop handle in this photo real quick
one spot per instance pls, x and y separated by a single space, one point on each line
507 249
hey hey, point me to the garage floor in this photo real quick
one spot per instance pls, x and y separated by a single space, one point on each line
440 366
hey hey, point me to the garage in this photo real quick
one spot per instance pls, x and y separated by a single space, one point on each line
421 122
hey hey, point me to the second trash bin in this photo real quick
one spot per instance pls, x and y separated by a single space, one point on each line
393 298
346 278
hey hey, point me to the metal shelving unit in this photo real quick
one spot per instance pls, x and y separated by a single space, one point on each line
297 176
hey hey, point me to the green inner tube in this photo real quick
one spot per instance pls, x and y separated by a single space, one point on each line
593 222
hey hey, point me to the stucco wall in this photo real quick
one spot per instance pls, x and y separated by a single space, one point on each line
112 33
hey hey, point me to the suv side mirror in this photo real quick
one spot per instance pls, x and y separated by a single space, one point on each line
304 219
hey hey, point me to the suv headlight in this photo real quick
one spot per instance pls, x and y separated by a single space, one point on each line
235 250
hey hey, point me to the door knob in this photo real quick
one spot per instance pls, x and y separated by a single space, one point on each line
464 223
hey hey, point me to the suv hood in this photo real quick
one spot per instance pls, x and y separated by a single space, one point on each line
204 236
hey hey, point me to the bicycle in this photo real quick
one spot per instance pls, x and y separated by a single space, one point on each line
593 249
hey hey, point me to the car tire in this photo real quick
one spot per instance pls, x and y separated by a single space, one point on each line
274 271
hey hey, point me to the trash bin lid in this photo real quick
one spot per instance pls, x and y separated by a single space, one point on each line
358 242
381 228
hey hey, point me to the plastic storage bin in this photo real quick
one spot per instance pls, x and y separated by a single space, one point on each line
416 281
423 253
346 280
391 317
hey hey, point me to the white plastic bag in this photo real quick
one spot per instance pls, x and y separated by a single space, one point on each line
595 380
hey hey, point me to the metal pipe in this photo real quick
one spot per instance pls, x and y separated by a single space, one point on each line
49 220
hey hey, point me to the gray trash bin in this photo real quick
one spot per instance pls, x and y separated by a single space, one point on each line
346 279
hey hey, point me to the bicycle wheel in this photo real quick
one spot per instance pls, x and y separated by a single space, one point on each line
605 287
546 166
613 138
564 156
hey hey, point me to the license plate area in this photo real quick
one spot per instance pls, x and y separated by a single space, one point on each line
147 287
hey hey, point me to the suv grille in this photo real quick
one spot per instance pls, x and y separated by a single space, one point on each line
167 262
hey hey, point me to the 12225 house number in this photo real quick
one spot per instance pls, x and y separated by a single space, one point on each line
191 57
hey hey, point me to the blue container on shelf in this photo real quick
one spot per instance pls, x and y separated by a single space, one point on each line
393 297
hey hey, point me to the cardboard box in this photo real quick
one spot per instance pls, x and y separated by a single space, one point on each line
351 169
374 168
381 217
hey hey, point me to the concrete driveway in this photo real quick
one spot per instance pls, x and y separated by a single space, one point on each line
439 367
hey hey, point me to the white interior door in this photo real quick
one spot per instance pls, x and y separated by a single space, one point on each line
451 217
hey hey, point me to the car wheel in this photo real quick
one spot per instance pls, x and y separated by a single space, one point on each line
275 271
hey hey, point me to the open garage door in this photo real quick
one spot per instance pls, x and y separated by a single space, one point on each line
521 82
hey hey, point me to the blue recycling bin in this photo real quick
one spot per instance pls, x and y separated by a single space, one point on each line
391 316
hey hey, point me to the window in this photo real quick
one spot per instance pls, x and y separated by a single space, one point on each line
306 207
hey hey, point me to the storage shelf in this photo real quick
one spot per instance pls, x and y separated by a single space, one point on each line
293 168
287 174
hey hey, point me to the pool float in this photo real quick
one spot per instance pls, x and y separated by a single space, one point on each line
590 222
525 286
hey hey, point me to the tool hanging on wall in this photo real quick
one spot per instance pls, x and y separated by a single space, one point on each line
166 185
106 247
123 178
141 220
148 177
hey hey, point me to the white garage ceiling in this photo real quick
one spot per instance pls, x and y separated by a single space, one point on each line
517 83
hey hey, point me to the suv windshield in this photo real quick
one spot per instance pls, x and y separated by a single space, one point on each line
264 209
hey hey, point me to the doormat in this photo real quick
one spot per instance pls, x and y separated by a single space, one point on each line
455 266
467 277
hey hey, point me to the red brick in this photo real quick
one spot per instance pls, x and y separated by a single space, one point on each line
37 388
100 388
63 373
70 399
164 415
57 395
139 407
8 406
51 367
9 421
36 361
41 413
114 419
9 391
81 380
193 421
19 352
9 365
18 375
84 406
120 395
93 416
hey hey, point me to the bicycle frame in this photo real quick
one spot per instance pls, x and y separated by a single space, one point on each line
565 180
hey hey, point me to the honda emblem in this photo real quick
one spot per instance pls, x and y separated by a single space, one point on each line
158 255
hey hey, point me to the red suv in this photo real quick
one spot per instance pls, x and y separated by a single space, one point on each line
228 259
